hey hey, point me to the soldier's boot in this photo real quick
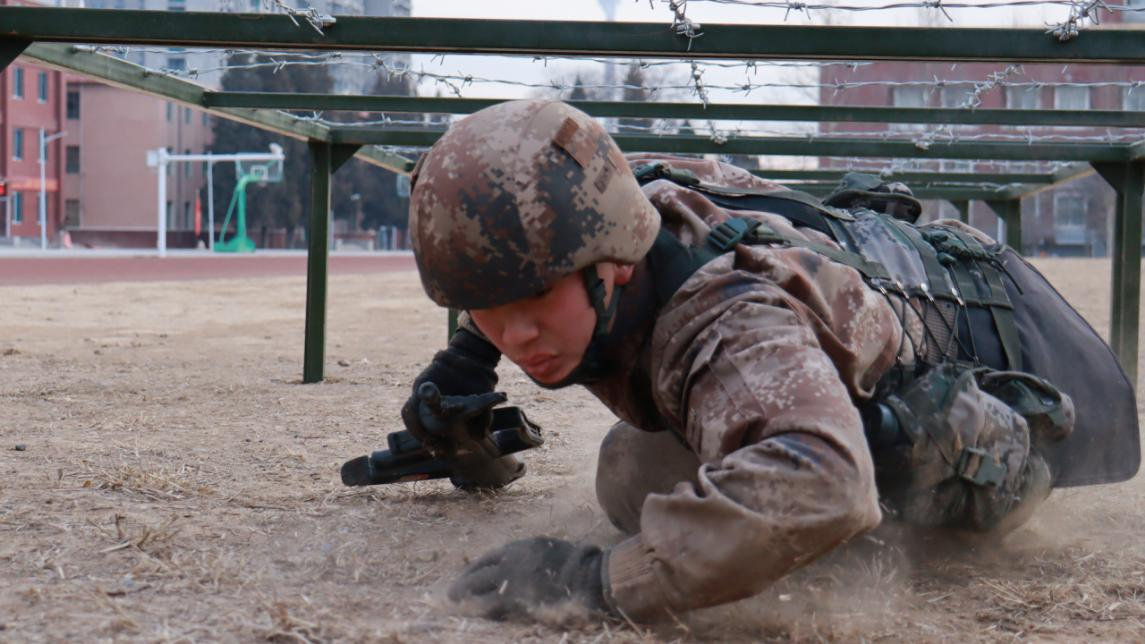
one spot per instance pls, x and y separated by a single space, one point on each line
633 464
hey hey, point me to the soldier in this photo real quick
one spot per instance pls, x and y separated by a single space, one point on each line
765 374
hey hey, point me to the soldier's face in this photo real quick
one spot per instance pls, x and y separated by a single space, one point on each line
547 335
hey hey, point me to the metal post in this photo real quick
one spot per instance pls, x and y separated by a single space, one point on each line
963 208
161 223
43 201
321 154
1128 179
43 204
210 205
1010 213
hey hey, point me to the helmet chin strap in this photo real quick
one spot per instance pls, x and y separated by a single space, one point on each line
594 364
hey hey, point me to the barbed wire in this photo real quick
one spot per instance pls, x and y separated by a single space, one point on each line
719 135
938 5
310 15
456 81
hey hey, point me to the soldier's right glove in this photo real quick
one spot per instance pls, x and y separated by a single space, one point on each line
523 576
467 367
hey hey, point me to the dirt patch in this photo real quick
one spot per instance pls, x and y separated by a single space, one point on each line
176 482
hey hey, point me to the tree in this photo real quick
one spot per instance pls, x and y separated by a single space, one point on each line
364 193
635 91
278 205
578 92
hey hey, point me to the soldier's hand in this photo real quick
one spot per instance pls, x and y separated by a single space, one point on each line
541 572
436 420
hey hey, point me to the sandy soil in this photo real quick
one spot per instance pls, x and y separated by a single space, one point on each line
176 482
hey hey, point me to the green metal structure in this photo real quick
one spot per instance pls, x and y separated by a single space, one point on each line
50 35
239 242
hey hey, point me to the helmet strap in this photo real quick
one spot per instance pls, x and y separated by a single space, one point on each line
594 363
605 311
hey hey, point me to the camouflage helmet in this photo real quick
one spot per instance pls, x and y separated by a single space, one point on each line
518 195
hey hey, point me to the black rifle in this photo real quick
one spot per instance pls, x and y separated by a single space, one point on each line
468 441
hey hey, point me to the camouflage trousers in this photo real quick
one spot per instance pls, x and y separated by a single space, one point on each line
633 464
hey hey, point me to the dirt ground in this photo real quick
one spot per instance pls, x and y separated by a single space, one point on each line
164 476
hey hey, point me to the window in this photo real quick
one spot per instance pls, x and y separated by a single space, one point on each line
72 213
170 216
1071 98
205 118
42 87
18 83
909 97
186 164
186 215
17 207
187 118
255 5
177 63
1134 16
170 111
1023 98
18 143
72 159
1069 218
1134 98
176 5
73 106
955 97
956 165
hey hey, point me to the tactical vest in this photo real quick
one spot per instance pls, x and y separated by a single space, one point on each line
986 313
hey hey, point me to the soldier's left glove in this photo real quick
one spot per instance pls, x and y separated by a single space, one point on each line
520 577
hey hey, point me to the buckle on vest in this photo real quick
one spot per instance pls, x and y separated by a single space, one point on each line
977 466
726 235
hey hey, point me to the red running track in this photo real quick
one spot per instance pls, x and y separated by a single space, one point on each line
22 271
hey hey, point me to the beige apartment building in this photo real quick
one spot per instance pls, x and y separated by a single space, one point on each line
110 194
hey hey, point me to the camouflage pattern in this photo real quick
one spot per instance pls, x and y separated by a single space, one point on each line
518 195
963 467
741 454
756 363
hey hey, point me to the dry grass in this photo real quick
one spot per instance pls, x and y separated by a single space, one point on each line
177 484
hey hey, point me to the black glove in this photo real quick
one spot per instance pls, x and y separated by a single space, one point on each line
533 573
467 366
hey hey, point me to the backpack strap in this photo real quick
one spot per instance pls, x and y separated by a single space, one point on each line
727 234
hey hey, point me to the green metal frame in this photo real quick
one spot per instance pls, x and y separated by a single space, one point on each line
570 38
1128 179
1122 165
797 146
711 111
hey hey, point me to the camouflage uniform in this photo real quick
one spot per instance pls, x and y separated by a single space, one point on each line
741 454
756 364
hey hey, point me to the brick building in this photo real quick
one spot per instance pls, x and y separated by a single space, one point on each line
1073 219
109 192
31 103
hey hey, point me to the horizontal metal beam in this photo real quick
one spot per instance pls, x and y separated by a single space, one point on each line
793 146
712 111
1001 178
945 193
557 37
120 73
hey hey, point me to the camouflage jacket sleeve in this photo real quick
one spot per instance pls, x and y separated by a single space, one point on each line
756 360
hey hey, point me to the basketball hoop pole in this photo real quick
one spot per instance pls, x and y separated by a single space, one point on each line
160 158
